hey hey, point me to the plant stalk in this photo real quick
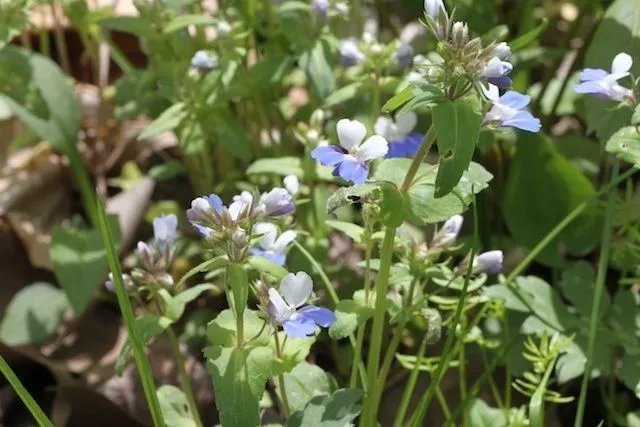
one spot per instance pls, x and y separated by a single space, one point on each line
184 376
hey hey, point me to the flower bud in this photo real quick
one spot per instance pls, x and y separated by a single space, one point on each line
488 262
473 46
204 61
433 8
459 34
146 254
350 53
501 50
434 324
223 29
403 55
321 7
165 280
277 202
449 232
239 238
317 118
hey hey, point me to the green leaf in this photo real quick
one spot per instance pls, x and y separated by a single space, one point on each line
33 314
169 119
619 31
36 90
635 118
148 326
167 171
571 363
424 208
174 406
336 410
80 262
457 124
629 372
221 331
239 377
393 206
129 24
529 37
345 93
294 351
578 285
208 265
425 96
238 282
483 415
304 382
318 68
352 230
542 188
360 193
398 100
349 314
268 268
261 76
183 21
625 144
174 305
281 166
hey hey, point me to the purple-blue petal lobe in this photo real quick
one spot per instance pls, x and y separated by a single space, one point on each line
328 155
593 74
300 327
215 202
501 82
524 120
515 100
352 171
272 256
405 147
320 315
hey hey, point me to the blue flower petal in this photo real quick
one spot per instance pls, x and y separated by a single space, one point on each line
215 202
353 171
300 327
591 87
320 315
501 82
204 231
524 120
328 155
275 257
405 147
589 74
515 100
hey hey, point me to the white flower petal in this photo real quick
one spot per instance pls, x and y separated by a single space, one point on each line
283 241
292 184
374 147
492 93
621 63
406 122
269 233
280 307
383 126
350 133
296 288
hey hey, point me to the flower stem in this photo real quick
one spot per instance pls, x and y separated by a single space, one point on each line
283 391
382 288
411 385
605 250
184 376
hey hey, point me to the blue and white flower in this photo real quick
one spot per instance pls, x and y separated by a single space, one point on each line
488 262
350 53
292 184
204 61
496 72
165 228
507 111
433 8
448 234
502 51
277 202
205 213
286 307
599 83
272 246
351 158
403 142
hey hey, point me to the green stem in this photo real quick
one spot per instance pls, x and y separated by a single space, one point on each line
38 414
382 287
283 391
462 379
184 376
492 384
386 364
411 385
605 250
142 363
357 355
443 403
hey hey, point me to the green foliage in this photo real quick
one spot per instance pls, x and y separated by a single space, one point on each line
349 314
148 326
625 144
33 314
221 331
305 382
527 38
316 64
533 207
293 352
170 119
336 410
173 404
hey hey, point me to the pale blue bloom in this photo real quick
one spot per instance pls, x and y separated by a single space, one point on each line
204 61
502 50
351 158
277 202
496 72
204 212
165 228
448 234
272 246
350 53
598 82
403 142
433 8
297 321
403 55
488 262
507 111
292 184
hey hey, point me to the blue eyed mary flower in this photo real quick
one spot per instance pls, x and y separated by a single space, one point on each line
599 83
351 158
507 111
350 53
286 307
164 232
205 214
488 262
292 184
448 234
204 61
496 72
433 8
272 246
403 142
277 202
502 51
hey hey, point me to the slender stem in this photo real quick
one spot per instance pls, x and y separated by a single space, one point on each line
492 384
411 385
142 363
386 363
61 44
283 391
357 355
508 374
443 403
605 250
29 402
184 376
462 379
382 287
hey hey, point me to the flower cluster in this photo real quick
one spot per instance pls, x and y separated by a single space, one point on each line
601 84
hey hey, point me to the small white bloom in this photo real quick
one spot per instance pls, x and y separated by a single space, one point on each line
502 50
449 232
488 262
393 130
292 184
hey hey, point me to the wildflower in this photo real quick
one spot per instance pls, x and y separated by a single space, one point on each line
292 184
459 34
502 50
449 232
488 262
297 322
433 8
598 82
272 246
321 7
204 61
350 159
403 55
402 141
204 214
164 232
277 202
222 29
507 111
496 72
350 53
